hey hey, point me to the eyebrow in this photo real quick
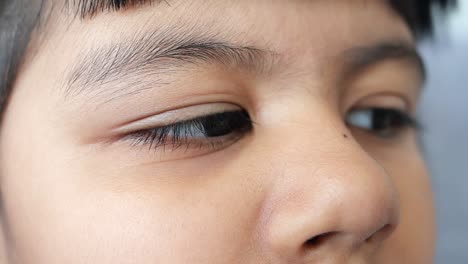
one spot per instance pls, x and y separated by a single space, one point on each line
358 59
121 68
165 52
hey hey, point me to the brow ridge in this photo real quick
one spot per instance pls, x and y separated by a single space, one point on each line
159 53
360 58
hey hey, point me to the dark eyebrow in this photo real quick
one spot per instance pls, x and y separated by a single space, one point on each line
127 64
90 8
358 59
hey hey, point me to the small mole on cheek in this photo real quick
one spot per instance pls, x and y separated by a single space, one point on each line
345 136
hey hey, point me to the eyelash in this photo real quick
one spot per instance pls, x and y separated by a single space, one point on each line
212 130
219 129
382 122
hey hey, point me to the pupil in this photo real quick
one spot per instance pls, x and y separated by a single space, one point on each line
385 121
225 123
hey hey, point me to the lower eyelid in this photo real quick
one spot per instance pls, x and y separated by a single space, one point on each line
174 152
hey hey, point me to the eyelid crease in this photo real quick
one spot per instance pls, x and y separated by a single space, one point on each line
386 100
175 116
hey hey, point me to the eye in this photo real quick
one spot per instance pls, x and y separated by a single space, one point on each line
210 131
382 122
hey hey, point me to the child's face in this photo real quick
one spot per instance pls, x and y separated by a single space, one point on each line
94 170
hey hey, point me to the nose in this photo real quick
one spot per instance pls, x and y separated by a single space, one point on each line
331 202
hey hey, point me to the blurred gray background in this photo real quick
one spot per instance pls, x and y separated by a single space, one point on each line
444 112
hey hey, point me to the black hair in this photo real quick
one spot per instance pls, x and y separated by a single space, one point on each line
18 19
418 13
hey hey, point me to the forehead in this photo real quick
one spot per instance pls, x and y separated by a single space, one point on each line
306 34
275 23
90 8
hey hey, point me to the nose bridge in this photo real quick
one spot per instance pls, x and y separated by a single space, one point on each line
330 192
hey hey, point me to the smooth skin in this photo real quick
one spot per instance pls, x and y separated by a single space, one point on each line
303 186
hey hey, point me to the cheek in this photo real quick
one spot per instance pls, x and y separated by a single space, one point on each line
80 213
415 236
63 207
76 225
414 239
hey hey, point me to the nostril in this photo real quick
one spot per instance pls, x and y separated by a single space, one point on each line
317 241
381 234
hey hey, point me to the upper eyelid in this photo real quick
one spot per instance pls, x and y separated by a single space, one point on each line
149 124
403 97
192 121
180 123
177 132
174 116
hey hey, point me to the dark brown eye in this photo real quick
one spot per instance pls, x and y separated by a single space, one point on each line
222 124
201 129
383 122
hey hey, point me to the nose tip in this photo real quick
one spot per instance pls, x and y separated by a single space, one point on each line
351 207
